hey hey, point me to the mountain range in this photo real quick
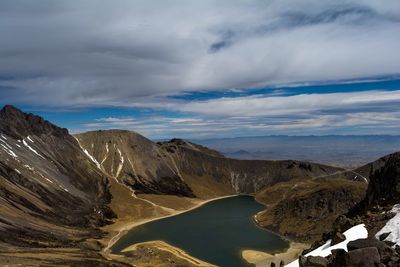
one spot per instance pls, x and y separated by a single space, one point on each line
64 197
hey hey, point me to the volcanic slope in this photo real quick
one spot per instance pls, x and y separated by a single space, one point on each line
181 168
52 195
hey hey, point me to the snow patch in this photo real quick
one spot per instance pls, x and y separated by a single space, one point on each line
48 180
65 189
133 169
92 158
31 149
354 233
88 154
106 156
17 171
9 151
2 136
29 138
121 164
235 181
392 226
29 167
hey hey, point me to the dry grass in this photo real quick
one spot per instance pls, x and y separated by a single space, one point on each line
304 210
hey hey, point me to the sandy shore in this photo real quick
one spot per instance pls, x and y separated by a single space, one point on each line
171 249
262 259
129 226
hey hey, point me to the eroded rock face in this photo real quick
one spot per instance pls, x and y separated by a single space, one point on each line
135 161
51 194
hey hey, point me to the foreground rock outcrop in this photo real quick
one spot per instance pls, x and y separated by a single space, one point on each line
375 212
361 252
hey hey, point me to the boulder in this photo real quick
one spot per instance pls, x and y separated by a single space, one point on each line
384 250
363 257
312 261
337 258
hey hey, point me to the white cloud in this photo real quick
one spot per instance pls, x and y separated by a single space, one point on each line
85 53
372 112
288 105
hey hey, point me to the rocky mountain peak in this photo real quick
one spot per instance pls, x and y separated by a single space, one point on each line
15 123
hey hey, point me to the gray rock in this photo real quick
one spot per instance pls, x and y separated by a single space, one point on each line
337 238
312 261
384 250
384 236
361 257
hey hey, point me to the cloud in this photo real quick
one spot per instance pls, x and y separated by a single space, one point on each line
372 112
91 53
290 105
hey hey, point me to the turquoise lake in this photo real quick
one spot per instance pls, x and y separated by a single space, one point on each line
216 232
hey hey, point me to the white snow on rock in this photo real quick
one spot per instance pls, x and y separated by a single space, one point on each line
392 226
121 163
354 233
17 171
92 158
29 167
88 154
29 138
106 156
2 136
8 150
31 149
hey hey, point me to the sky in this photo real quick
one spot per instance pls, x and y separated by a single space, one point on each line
205 69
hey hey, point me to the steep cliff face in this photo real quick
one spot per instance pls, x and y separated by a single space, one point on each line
51 194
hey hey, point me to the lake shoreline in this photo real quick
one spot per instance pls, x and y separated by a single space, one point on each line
174 250
127 227
262 258
248 256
